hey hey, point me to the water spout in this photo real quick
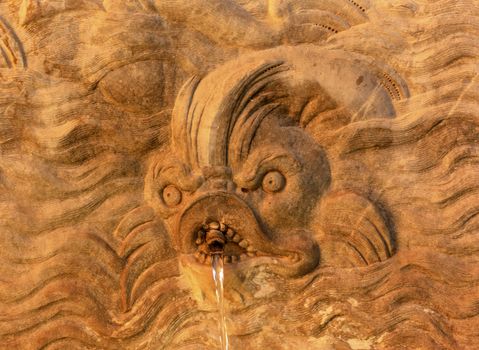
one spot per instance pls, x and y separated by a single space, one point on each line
218 277
215 241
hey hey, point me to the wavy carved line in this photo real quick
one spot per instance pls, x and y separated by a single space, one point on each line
71 327
69 242
11 46
385 134
157 313
51 215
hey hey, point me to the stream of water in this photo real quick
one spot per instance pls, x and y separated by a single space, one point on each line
218 277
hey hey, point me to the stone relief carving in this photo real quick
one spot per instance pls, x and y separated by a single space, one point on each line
328 149
11 48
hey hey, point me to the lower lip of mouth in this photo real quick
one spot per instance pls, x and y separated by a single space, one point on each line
218 238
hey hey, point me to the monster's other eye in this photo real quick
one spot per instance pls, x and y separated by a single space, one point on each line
273 181
171 195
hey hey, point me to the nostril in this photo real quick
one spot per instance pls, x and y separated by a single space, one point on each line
244 190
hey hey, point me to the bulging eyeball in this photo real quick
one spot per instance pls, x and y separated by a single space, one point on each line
171 195
273 181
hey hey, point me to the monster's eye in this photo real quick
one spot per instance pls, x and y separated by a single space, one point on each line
273 181
171 195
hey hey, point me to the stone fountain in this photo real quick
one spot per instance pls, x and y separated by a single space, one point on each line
303 173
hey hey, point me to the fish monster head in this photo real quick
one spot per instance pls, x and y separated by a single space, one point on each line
242 178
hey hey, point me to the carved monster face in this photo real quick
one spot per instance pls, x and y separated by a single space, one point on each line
257 212
242 177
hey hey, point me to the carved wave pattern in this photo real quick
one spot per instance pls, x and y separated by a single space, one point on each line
65 199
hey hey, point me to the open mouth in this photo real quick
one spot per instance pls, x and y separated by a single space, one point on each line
219 238
223 224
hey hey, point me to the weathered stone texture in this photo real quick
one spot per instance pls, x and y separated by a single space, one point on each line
329 148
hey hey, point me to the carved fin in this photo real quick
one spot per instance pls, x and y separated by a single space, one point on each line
143 246
354 231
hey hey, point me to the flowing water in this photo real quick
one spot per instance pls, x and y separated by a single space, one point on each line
218 277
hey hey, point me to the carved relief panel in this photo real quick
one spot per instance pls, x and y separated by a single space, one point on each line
327 149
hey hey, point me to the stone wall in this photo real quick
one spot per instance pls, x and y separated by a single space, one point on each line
329 149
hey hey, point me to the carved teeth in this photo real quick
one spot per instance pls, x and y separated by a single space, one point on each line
216 230
227 259
214 225
201 237
230 233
